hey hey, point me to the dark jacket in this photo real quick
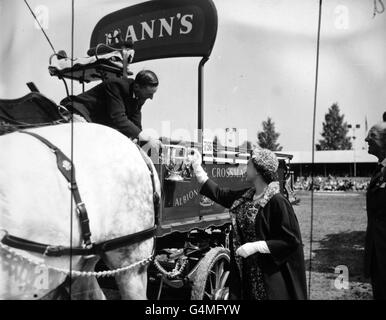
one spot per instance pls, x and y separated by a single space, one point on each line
375 245
283 270
111 103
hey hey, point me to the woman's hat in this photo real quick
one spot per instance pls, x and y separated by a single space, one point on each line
265 161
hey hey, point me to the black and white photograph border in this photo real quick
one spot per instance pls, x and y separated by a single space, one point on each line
192 150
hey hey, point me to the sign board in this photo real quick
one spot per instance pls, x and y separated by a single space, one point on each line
160 29
207 146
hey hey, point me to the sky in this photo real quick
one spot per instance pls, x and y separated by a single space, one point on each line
262 64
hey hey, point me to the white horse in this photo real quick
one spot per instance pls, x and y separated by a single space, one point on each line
35 204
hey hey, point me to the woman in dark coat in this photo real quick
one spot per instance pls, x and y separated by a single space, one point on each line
267 260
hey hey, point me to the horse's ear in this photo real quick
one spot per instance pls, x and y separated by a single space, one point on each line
32 86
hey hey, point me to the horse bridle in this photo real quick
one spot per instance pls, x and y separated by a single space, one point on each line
67 169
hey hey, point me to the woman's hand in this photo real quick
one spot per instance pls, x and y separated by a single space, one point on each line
250 248
195 160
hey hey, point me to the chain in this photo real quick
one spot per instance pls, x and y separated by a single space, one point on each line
177 270
75 273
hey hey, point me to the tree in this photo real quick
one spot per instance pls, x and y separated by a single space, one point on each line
335 131
268 137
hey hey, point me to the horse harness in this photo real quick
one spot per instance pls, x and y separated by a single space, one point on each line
67 169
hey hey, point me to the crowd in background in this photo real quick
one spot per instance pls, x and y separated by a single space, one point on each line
331 183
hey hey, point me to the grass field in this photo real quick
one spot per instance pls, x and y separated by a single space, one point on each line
338 239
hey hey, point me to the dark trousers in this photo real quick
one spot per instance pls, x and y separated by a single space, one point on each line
378 280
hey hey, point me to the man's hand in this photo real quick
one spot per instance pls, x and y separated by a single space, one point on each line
151 143
154 144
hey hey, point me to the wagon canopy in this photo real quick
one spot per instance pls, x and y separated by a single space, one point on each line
160 29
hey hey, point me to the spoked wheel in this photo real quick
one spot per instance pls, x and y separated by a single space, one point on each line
211 280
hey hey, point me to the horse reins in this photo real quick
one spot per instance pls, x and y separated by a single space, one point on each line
67 169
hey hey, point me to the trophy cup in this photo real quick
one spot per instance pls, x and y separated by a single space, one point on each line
176 163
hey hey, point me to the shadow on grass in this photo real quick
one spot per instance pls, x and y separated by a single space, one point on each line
345 248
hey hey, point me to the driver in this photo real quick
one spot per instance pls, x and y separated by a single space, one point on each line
117 103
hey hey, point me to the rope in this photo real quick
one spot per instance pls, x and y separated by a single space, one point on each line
72 272
41 28
76 273
313 144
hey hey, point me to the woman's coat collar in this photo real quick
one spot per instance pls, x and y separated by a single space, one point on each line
272 189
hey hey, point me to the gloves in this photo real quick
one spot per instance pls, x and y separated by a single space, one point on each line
250 248
196 161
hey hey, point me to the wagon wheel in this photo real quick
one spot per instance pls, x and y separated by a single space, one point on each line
211 279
